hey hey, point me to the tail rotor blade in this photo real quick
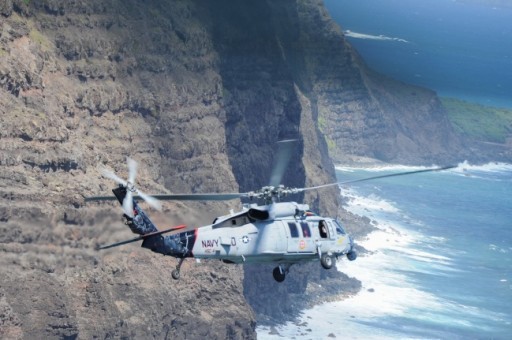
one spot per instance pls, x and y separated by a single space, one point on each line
132 170
153 202
128 204
113 176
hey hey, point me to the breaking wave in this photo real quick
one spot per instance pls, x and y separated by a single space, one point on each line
380 37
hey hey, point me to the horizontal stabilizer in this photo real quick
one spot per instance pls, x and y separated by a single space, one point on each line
143 237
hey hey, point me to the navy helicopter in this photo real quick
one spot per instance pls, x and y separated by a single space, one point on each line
284 233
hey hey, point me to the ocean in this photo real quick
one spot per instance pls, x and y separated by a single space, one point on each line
458 49
441 261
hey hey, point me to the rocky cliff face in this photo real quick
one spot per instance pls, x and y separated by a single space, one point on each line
364 114
198 92
85 84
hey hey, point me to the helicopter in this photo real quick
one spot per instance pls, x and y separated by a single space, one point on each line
283 233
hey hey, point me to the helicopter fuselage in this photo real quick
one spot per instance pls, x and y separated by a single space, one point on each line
283 240
281 233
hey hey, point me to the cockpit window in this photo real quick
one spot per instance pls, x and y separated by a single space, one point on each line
322 227
339 228
234 221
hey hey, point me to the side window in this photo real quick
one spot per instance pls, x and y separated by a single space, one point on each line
306 232
293 229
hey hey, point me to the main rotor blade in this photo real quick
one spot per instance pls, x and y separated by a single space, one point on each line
100 198
178 197
200 197
380 176
401 174
284 153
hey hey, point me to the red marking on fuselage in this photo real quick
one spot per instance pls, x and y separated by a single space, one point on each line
302 244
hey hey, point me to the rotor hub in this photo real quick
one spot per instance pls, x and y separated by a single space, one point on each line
130 187
271 193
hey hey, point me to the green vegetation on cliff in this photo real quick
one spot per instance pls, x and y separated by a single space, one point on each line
477 121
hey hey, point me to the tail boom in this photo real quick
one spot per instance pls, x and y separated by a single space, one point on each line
144 237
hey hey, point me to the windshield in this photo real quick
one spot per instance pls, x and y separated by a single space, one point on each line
339 228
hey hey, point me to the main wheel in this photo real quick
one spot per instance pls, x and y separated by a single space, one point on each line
278 276
327 261
352 255
175 274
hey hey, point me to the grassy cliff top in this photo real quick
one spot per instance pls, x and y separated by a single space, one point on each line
484 123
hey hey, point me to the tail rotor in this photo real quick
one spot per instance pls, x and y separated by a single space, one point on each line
130 188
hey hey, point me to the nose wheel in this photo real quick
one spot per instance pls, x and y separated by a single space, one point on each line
352 255
176 272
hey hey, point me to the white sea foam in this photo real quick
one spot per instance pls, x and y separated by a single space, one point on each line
382 167
464 167
483 171
379 37
493 167
364 205
344 168
496 248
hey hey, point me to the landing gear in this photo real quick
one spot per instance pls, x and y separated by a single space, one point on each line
327 261
280 272
176 272
352 255
279 275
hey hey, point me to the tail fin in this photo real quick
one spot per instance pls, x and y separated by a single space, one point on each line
140 223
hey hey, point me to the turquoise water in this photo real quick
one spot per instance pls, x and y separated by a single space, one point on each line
463 218
457 49
441 263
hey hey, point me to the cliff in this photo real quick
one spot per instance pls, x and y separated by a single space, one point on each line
85 84
198 92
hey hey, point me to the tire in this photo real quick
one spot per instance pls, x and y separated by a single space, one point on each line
327 261
278 276
352 255
175 274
